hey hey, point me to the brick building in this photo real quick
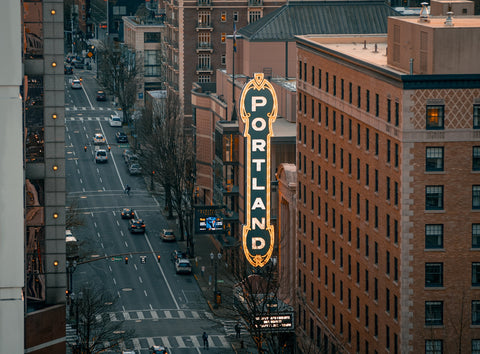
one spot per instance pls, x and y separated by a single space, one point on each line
388 190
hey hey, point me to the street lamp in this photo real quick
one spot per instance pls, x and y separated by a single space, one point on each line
71 266
212 258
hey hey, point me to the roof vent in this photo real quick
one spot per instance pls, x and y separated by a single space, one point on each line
424 13
449 19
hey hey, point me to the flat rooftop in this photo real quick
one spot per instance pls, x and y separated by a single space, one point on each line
439 21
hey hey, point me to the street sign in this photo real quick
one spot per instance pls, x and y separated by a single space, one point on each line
116 259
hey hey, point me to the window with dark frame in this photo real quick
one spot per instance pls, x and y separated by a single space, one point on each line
434 198
434 158
475 235
476 197
433 236
476 116
475 312
476 158
475 274
433 313
433 346
435 117
433 275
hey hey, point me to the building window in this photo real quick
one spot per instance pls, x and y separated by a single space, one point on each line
476 158
433 197
235 16
433 346
475 274
367 108
476 116
433 313
254 15
224 37
223 17
434 159
204 18
350 93
475 235
475 346
152 37
223 59
397 114
319 78
326 82
359 96
476 197
433 274
476 312
435 117
204 78
389 110
434 236
152 63
204 61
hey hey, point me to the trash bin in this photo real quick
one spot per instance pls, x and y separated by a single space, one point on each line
218 297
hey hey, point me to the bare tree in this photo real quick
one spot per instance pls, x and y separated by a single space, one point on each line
96 332
119 72
72 215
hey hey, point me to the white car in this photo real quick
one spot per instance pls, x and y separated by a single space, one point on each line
167 235
101 156
115 121
98 139
183 266
76 84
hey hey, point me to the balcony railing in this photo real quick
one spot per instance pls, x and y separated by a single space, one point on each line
204 46
204 68
252 3
203 25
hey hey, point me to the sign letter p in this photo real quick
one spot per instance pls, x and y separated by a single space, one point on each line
258 101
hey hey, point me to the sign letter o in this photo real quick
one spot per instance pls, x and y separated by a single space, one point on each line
259 127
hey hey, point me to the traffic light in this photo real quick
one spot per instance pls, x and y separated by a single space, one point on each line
126 260
158 258
67 292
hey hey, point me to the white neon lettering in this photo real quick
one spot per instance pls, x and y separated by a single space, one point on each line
259 127
255 187
260 224
258 164
258 145
258 101
258 204
258 243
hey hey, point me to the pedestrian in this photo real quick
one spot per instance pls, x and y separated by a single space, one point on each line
237 330
85 148
205 340
127 189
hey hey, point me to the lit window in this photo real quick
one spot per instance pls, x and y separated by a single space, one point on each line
435 116
223 18
224 37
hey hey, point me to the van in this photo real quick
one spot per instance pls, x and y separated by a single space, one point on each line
115 121
101 156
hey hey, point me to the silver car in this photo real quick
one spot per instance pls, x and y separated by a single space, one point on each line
135 169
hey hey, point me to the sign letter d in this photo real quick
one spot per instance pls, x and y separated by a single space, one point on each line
258 243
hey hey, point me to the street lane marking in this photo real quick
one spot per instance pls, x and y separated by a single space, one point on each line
109 266
118 224
95 224
114 281
140 315
168 314
150 342
113 317
136 343
195 314
165 342
154 314
140 279
181 343
135 266
121 232
101 243
181 314
81 181
126 244
145 292
98 234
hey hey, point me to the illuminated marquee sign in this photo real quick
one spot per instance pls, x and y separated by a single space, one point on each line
208 220
275 323
258 108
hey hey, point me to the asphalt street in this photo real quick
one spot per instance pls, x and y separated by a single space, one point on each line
164 308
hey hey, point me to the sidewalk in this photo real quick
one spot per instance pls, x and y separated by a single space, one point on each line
203 269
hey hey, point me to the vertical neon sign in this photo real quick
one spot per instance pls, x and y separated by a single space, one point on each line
258 109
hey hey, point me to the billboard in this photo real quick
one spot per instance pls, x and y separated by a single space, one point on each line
208 219
258 109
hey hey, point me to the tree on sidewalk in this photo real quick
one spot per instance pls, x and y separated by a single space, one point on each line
94 326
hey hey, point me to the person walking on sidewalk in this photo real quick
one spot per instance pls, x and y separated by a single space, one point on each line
237 330
205 340
127 189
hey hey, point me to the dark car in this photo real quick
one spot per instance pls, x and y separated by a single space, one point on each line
121 137
158 349
68 70
101 96
128 213
177 255
136 226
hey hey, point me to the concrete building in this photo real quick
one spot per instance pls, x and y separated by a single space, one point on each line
388 192
42 169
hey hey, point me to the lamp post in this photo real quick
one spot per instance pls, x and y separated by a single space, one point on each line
212 258
71 266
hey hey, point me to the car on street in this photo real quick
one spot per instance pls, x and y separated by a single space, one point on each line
135 169
126 154
167 235
136 226
76 84
128 213
183 266
177 254
98 139
101 156
158 349
121 137
101 95
115 121
131 159
68 70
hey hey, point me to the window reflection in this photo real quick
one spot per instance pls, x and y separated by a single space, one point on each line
34 140
33 29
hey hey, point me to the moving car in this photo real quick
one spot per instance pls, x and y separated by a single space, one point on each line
158 349
68 70
101 95
115 121
167 235
183 266
135 169
121 137
177 255
136 226
128 213
76 84
101 156
98 139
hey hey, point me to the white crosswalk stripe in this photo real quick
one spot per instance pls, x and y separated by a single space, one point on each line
147 315
82 119
173 342
75 108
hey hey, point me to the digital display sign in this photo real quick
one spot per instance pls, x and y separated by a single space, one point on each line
208 220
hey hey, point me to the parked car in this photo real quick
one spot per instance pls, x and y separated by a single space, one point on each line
177 255
126 154
98 139
183 266
135 169
136 226
101 95
167 235
76 84
131 159
115 121
128 213
101 156
121 137
68 70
